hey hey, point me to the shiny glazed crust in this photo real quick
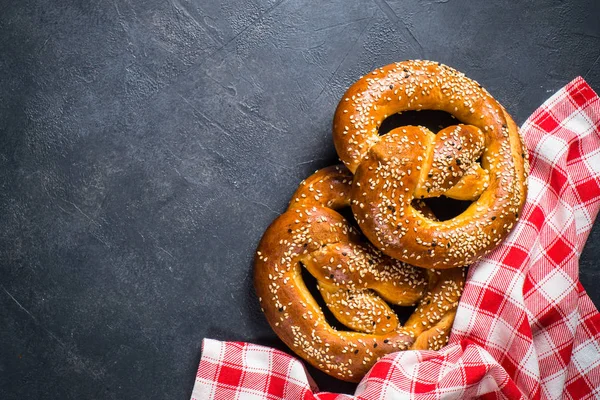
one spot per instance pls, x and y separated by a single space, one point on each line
409 163
353 277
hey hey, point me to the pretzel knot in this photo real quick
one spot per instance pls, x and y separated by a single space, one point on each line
355 280
411 162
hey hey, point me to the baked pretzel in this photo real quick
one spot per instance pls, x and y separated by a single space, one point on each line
355 281
409 163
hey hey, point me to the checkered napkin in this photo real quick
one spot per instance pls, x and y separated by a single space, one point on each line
525 328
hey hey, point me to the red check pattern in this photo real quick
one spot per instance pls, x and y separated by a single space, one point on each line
525 328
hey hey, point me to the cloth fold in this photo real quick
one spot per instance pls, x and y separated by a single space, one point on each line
525 327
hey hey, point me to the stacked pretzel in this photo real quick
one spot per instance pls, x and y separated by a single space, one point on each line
404 255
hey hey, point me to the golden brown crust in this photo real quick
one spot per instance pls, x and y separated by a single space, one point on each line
354 279
407 163
392 173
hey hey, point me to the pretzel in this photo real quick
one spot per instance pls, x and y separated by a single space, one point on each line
409 163
355 280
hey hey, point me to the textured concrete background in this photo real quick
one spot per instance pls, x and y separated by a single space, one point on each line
146 145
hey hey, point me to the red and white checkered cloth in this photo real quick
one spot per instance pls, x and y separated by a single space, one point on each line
525 328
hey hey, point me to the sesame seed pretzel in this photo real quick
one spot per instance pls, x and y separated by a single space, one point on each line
355 281
411 162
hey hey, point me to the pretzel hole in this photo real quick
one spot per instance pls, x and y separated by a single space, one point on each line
311 285
348 215
431 119
402 312
445 208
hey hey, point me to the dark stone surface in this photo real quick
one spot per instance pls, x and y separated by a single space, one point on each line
147 144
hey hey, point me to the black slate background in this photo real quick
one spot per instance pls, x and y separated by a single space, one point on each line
146 145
